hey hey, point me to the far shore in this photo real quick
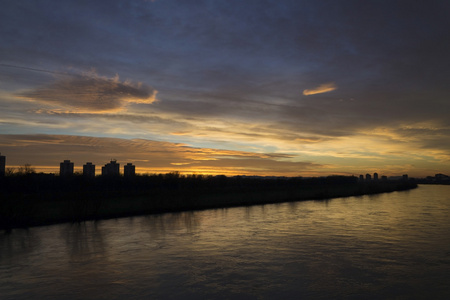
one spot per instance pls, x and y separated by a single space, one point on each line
40 199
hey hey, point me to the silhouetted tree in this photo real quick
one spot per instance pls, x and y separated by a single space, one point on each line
10 171
26 169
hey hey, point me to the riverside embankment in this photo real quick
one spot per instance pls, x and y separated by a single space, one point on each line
42 199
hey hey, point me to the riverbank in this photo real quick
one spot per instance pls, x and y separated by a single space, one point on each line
39 199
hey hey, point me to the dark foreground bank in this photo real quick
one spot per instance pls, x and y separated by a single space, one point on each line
41 199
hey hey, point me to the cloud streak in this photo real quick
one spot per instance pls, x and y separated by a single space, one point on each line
323 88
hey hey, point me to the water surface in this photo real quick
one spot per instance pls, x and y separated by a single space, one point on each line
387 246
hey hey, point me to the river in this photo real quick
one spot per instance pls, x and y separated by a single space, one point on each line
386 246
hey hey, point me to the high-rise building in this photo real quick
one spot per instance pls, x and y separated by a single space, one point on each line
66 168
375 176
361 178
89 170
111 169
2 165
129 170
368 177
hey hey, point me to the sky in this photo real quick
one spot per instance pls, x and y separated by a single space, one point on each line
254 87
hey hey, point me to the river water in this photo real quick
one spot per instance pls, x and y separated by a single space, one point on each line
387 246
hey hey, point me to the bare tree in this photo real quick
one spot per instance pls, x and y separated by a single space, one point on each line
10 171
26 169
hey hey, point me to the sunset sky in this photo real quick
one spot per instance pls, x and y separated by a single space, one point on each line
254 87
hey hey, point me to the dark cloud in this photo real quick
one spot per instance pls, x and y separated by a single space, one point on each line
429 137
92 93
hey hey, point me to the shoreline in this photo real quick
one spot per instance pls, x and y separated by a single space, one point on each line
77 200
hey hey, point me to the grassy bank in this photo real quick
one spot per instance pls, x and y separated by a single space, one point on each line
40 199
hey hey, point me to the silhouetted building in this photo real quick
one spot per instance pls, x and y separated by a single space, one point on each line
361 178
129 170
383 178
111 169
66 168
405 177
89 170
2 165
375 176
368 177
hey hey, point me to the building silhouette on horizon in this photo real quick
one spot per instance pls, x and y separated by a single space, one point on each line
66 168
111 169
89 170
129 170
2 165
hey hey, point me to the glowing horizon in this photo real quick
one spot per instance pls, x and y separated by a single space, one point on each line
165 157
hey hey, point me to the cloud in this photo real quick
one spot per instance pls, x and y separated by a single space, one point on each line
230 79
92 93
323 88
45 152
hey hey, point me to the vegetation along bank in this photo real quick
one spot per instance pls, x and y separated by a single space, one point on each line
41 199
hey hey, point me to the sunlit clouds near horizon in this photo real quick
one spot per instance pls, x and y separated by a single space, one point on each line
283 88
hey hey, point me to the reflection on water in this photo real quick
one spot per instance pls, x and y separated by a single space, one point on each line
393 245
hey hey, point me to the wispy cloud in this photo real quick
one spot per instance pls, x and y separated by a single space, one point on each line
47 151
323 88
92 93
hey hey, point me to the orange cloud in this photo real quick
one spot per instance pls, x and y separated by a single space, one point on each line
323 88
47 151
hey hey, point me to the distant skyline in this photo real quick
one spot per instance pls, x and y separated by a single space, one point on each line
282 88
